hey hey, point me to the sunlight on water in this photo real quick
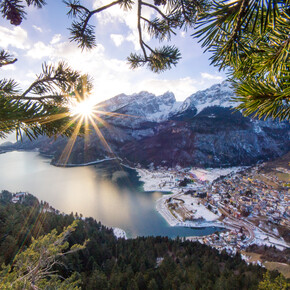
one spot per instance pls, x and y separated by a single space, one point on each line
105 192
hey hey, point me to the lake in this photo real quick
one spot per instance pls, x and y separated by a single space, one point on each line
107 191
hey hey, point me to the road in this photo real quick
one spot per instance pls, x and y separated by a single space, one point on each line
239 223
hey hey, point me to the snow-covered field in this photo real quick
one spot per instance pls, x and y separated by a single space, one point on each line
158 180
214 173
198 209
191 204
162 208
162 180
263 239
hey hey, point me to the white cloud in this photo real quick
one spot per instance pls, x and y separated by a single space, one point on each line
117 39
16 37
39 50
115 15
183 34
55 39
211 76
8 67
31 75
134 38
111 76
37 28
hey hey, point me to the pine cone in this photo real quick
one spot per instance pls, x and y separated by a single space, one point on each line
14 16
159 2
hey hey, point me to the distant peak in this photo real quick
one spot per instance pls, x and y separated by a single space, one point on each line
217 95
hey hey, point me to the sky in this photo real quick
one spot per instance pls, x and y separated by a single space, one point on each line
44 37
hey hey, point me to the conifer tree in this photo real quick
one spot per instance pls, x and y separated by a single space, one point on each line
43 108
34 268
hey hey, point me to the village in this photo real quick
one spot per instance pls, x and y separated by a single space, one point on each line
251 206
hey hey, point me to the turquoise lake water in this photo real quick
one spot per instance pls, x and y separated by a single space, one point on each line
107 192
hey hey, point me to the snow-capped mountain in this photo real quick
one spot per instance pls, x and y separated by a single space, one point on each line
217 95
201 131
143 106
146 106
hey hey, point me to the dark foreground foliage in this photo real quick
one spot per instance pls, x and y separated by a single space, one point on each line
110 263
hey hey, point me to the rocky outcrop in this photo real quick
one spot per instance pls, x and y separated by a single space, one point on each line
213 138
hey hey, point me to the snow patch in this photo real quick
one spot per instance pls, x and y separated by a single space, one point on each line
212 174
119 233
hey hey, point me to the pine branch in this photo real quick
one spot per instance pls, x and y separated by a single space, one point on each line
53 79
42 107
156 9
161 28
82 32
6 58
14 10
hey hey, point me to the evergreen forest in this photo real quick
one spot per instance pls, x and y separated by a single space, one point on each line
110 263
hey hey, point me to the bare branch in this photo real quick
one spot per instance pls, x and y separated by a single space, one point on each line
139 28
91 13
155 8
146 45
50 97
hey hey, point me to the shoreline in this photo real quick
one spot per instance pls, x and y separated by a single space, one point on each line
173 222
166 182
83 164
148 186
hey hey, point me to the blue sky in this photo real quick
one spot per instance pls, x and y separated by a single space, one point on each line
44 37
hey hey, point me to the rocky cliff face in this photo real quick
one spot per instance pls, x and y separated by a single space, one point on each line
214 137
202 131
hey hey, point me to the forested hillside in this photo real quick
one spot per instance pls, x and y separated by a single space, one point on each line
111 263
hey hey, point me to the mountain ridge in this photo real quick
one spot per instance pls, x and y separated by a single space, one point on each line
202 131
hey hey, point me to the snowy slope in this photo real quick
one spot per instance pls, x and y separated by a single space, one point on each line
217 95
144 105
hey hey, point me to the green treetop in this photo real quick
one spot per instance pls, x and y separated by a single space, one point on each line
34 268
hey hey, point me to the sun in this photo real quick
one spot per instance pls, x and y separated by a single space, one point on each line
86 117
84 108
